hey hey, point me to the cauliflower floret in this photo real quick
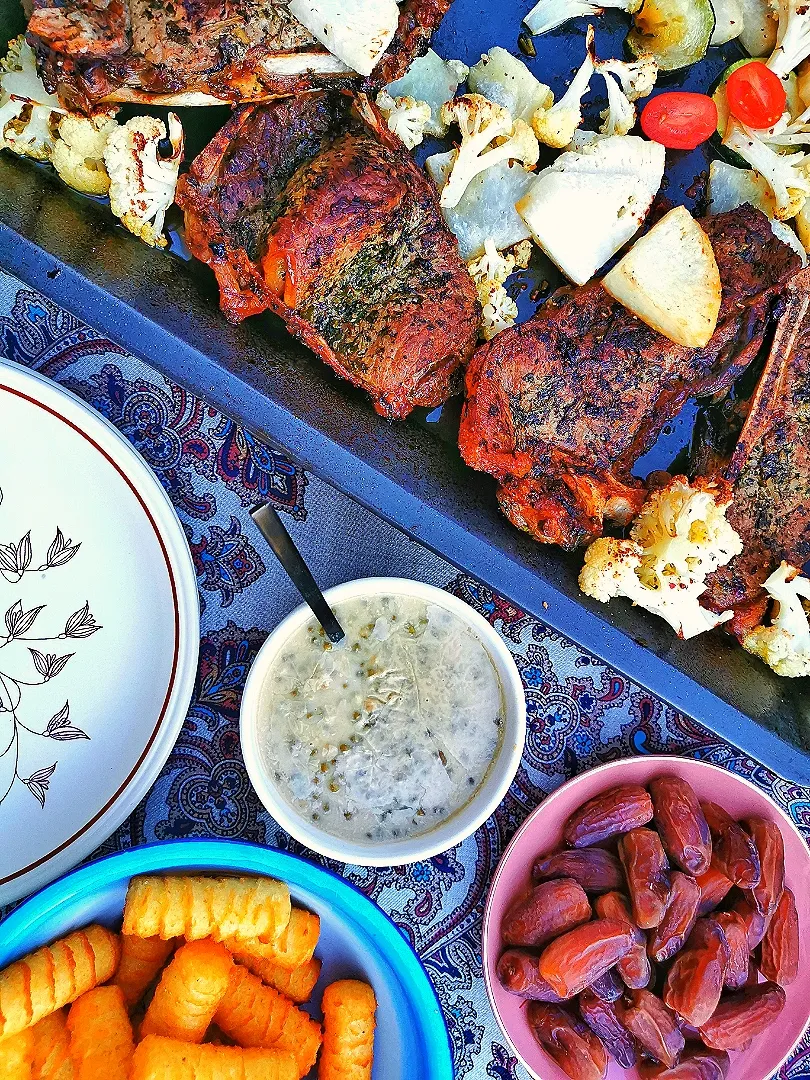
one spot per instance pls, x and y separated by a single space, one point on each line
636 77
549 14
78 153
555 124
489 274
499 310
785 645
481 123
785 173
680 536
28 113
143 164
492 266
406 117
522 254
792 36
620 115
433 81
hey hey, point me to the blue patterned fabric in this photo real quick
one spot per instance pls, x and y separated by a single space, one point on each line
581 712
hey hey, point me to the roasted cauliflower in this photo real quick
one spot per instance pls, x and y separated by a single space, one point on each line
406 117
489 136
680 536
78 153
29 115
785 644
143 163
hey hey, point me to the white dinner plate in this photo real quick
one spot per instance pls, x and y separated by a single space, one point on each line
99 630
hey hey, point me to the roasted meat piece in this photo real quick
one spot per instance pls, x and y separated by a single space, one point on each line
323 218
560 408
770 470
197 52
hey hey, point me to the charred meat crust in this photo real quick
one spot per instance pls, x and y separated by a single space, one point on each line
770 471
122 50
370 278
560 408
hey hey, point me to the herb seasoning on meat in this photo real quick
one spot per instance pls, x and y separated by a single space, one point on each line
391 731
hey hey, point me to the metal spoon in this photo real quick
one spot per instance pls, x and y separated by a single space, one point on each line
272 529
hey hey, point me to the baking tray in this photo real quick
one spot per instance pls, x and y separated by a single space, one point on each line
163 308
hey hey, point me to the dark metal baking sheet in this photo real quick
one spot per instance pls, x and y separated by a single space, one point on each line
164 308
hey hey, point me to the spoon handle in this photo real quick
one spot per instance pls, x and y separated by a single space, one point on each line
272 529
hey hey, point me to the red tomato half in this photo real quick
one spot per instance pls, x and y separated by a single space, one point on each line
755 95
679 120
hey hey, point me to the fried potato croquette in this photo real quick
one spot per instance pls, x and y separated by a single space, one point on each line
101 1043
189 992
255 1015
16 1056
251 1013
295 983
294 946
157 1058
51 1059
302 1037
54 976
141 960
203 907
348 1036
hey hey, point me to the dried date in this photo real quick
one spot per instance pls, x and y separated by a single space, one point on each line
595 870
602 1018
697 1063
653 1025
733 926
714 887
550 909
608 987
681 824
695 980
647 872
780 946
568 1041
741 1017
734 852
771 850
577 959
615 811
634 969
679 918
519 973
755 922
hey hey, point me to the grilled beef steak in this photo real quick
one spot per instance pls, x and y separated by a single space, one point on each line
196 52
560 408
770 471
323 218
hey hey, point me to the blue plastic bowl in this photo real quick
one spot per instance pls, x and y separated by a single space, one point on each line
358 940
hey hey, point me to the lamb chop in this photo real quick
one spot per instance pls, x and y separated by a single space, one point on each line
560 408
201 52
310 208
770 471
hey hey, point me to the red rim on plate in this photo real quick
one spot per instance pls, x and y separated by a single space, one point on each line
541 832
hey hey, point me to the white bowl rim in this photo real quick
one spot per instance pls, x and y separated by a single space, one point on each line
666 761
461 824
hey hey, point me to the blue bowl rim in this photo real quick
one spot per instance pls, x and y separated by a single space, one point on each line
196 853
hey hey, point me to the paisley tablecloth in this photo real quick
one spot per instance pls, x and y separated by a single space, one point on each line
580 711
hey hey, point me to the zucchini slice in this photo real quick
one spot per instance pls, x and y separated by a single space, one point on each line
676 32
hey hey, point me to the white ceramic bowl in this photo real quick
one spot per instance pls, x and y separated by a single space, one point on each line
454 829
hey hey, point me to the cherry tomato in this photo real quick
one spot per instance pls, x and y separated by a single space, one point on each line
755 95
679 120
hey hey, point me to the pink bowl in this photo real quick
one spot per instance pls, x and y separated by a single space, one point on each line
542 832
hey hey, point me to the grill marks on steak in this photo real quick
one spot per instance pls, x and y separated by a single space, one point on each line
193 51
560 408
770 471
325 220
